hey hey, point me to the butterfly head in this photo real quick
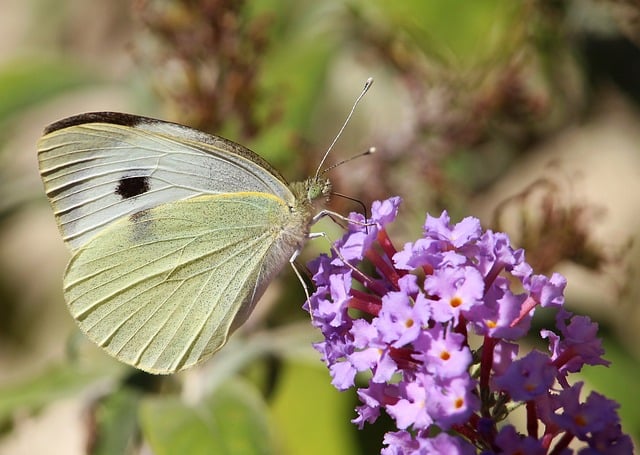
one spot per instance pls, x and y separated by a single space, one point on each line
310 190
317 187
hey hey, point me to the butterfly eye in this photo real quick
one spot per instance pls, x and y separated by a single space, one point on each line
327 188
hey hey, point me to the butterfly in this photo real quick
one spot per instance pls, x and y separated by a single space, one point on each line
174 233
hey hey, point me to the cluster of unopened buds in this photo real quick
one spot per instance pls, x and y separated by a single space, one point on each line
432 331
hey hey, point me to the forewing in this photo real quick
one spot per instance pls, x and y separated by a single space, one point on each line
160 290
100 167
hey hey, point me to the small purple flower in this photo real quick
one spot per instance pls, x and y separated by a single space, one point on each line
444 443
458 235
528 377
496 254
400 443
332 311
509 441
596 414
500 308
456 291
411 410
453 401
400 321
384 212
373 399
609 440
504 353
403 443
578 346
407 328
443 353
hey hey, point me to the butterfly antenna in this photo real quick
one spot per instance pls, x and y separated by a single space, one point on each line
369 151
367 85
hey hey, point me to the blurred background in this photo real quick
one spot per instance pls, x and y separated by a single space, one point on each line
522 113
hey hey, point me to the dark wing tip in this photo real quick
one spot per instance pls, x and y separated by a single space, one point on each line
116 118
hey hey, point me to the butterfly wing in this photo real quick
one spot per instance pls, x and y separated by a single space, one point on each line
162 289
102 166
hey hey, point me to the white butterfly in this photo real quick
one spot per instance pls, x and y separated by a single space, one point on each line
174 233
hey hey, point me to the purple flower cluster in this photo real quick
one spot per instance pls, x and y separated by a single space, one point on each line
431 328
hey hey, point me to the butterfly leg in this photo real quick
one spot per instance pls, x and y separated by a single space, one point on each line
330 214
292 260
336 216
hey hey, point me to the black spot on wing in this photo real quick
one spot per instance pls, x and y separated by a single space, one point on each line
129 187
115 118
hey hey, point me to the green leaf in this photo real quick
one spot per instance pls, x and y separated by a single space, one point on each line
34 393
313 417
116 417
457 31
232 420
24 83
293 79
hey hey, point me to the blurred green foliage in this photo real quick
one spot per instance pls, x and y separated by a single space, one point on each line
484 80
26 83
231 421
